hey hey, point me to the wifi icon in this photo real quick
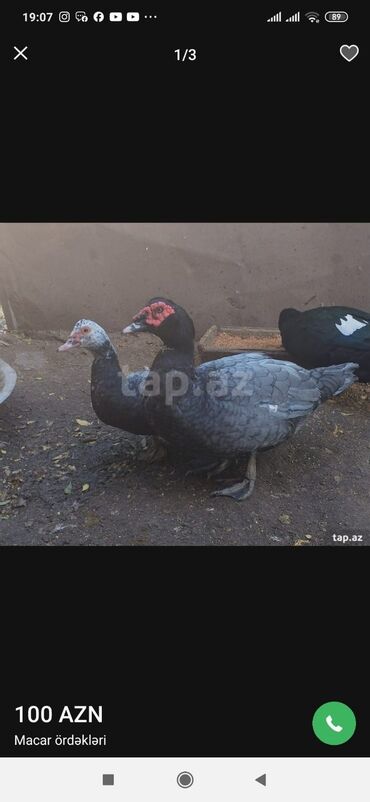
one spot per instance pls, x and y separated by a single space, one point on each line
312 16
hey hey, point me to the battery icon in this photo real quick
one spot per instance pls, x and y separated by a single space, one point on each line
336 16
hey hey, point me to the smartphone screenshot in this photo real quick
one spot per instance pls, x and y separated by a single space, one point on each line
184 403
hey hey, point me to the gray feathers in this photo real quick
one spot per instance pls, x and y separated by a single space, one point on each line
246 403
334 379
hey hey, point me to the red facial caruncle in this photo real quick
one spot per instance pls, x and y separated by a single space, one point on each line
155 313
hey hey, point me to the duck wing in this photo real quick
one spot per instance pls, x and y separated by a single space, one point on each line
245 404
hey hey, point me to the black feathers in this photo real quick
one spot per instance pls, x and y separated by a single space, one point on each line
235 405
328 335
117 399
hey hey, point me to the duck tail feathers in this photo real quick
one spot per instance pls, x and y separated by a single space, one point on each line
334 379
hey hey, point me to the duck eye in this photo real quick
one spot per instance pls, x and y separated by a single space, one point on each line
85 330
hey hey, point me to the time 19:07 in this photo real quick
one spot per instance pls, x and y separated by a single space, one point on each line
43 16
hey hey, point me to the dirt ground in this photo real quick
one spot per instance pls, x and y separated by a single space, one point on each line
67 479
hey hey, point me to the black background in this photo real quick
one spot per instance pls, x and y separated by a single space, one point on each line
211 651
104 124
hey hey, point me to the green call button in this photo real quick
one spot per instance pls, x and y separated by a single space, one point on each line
334 723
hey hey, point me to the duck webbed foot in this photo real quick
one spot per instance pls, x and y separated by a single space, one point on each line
244 489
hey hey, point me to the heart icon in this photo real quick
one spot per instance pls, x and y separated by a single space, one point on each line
349 52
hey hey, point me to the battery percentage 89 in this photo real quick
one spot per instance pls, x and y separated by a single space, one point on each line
336 16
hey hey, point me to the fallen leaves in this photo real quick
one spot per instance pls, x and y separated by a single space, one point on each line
337 430
68 488
82 422
61 456
303 542
284 518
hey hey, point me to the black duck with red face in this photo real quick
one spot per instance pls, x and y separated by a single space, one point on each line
230 407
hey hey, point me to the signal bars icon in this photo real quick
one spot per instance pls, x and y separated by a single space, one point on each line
275 18
294 18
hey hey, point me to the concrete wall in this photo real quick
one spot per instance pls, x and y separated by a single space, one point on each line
234 274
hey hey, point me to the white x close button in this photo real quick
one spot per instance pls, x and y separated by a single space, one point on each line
20 53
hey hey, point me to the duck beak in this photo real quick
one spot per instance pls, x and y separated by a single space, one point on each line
134 327
72 341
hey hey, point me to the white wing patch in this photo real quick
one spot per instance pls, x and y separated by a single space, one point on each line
349 324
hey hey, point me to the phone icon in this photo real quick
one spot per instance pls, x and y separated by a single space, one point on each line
335 727
325 723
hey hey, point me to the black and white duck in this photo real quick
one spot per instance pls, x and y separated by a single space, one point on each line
117 399
230 407
328 335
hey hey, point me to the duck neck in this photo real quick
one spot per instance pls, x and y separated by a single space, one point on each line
106 383
106 351
172 372
179 358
